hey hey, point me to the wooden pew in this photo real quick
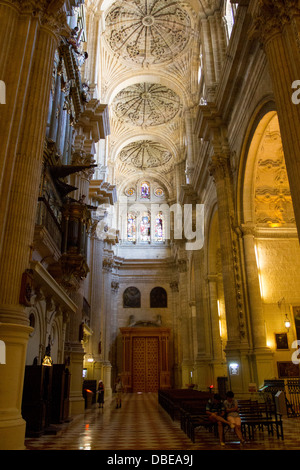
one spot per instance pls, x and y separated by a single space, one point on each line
171 399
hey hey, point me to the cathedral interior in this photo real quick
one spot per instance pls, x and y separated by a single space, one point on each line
150 203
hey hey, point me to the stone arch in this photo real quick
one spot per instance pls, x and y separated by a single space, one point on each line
265 194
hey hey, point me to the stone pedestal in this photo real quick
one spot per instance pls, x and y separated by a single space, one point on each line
76 400
12 425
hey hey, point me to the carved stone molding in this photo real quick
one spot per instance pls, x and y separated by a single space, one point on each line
51 14
218 167
272 16
247 230
174 286
114 286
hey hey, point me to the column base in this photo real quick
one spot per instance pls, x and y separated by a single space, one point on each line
12 434
263 365
12 425
76 405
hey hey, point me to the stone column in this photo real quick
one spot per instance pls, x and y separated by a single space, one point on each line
75 352
185 324
176 336
219 169
255 301
262 357
237 347
31 34
277 25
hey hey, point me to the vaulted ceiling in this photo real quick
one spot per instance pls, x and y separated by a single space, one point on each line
149 77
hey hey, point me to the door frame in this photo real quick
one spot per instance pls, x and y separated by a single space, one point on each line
164 367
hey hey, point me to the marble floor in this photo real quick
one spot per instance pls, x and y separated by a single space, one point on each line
142 424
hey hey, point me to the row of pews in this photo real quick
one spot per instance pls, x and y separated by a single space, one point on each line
188 406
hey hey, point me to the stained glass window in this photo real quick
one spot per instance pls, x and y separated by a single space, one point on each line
159 192
130 192
159 228
131 227
145 228
145 190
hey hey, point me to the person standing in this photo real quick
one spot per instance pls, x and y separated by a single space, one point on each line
100 392
119 389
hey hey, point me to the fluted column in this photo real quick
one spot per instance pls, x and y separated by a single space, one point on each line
30 31
277 25
176 336
255 301
219 168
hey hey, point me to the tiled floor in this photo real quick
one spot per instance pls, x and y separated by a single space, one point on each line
141 424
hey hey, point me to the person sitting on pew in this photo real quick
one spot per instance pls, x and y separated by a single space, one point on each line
232 414
216 411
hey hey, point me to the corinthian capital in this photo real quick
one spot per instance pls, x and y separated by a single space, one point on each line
50 13
218 167
248 229
272 16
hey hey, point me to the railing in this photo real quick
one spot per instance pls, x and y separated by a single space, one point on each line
46 218
291 390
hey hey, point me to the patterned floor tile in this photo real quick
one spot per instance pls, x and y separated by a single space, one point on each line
141 424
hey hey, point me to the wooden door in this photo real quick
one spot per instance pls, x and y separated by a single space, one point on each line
145 364
145 358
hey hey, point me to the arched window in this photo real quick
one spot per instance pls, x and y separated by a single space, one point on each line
131 298
159 228
145 227
145 190
229 17
131 227
158 298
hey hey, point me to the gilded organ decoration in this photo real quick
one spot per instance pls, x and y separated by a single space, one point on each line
146 104
149 31
145 154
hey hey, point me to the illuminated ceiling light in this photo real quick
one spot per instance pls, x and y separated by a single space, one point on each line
90 359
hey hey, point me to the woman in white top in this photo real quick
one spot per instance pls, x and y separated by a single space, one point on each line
232 412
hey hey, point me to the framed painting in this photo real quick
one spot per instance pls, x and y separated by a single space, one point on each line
287 370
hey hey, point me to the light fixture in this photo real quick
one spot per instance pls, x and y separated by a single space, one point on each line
90 359
234 368
287 322
47 359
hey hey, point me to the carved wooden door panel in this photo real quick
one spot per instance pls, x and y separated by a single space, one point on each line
151 369
138 364
145 362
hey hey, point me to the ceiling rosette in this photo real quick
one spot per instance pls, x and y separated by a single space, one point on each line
147 31
146 104
145 154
